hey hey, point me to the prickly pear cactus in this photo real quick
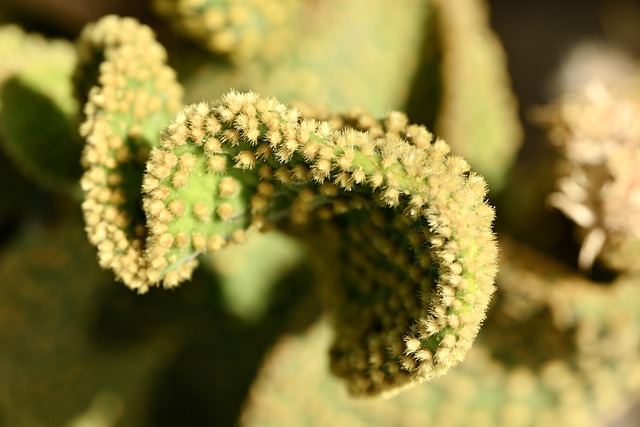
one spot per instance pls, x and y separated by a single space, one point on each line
174 169
260 165
244 30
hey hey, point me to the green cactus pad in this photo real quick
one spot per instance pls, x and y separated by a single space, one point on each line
552 352
360 53
247 292
133 94
37 109
479 115
241 29
53 369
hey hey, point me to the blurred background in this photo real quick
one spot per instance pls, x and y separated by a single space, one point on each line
177 388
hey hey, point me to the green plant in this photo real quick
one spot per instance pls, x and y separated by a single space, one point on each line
245 163
332 202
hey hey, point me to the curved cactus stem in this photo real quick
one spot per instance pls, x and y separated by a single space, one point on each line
479 115
133 94
37 109
247 163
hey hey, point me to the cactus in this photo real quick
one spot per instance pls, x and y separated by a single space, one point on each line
244 163
293 169
35 82
330 200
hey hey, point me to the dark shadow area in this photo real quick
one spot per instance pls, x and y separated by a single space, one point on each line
15 200
536 36
38 136
427 81
208 380
531 343
23 202
57 18
602 274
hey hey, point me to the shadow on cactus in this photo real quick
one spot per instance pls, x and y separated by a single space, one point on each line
35 84
407 220
57 168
